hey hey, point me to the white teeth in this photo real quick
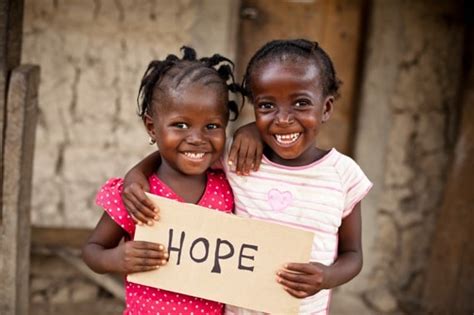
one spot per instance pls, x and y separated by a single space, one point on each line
287 138
194 155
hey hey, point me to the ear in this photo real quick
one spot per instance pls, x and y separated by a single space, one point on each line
327 108
150 126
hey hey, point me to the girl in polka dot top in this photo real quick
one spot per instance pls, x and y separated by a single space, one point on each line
184 104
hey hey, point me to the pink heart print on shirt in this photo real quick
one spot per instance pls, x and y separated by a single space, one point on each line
279 200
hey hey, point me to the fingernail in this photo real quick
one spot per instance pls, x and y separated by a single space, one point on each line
157 267
161 247
164 261
156 217
150 223
140 223
155 210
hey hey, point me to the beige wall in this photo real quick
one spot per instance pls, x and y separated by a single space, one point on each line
413 66
92 56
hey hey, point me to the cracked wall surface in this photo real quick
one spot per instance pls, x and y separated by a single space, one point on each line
93 54
407 125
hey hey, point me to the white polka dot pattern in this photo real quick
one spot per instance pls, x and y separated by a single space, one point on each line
142 299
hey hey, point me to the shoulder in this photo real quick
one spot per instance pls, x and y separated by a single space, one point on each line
344 164
109 191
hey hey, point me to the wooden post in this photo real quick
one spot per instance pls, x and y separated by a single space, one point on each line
11 27
21 115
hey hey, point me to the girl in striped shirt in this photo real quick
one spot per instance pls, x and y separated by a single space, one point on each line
293 86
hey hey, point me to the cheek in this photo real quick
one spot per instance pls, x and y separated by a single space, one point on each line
219 141
262 121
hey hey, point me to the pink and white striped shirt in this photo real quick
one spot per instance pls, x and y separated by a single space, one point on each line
315 197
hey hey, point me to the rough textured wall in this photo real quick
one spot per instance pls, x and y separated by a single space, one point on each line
92 55
408 108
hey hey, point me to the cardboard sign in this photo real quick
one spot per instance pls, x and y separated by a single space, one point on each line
222 257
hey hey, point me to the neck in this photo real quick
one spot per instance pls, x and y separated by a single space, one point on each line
188 187
309 156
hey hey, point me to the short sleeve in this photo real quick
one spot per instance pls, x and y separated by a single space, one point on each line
355 183
109 198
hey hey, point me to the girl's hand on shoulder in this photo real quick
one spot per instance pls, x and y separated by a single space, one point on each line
138 205
246 150
138 256
303 280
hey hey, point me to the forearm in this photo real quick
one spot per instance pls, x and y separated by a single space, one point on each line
100 259
347 265
147 166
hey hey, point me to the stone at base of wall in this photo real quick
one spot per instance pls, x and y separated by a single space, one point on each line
58 288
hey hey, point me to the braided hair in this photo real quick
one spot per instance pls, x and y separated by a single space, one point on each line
173 72
276 49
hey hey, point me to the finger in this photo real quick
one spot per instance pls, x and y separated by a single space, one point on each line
303 268
132 205
135 195
242 155
141 268
145 202
294 277
151 254
296 293
258 158
296 286
147 245
234 149
131 210
150 215
250 158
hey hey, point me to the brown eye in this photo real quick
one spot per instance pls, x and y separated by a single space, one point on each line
212 126
302 103
265 106
181 125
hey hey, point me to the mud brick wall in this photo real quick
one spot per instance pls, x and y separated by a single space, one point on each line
93 54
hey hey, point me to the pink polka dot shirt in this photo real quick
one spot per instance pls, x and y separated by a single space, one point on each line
142 299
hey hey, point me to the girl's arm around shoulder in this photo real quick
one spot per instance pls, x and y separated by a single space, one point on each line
246 150
135 185
303 280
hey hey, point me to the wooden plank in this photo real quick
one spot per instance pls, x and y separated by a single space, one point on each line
449 285
11 27
59 237
335 24
19 139
106 281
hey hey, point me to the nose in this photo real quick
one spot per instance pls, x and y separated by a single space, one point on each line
284 117
195 137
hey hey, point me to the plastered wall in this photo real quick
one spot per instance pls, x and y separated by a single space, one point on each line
93 54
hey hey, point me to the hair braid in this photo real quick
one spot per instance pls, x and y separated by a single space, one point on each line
187 69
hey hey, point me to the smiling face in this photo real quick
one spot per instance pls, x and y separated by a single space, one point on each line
289 109
189 128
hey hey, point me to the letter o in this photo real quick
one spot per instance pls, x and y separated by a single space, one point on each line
206 247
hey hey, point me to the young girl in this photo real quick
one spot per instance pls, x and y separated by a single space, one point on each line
292 86
185 108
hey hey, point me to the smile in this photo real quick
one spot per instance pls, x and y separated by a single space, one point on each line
194 155
287 138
